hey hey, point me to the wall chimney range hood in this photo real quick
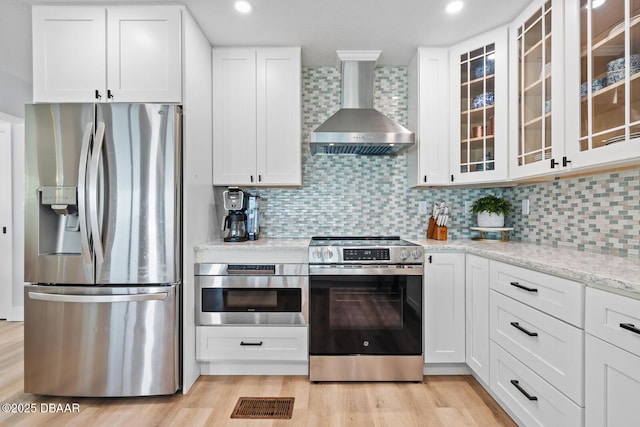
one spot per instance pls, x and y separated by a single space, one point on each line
357 128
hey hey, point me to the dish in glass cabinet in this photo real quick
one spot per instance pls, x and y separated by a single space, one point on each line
618 64
596 85
482 100
620 26
621 138
617 75
547 106
486 69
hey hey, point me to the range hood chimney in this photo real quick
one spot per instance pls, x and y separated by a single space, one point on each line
357 128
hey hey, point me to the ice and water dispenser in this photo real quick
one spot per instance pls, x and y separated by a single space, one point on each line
59 225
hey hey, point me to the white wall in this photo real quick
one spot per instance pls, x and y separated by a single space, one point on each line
11 292
15 56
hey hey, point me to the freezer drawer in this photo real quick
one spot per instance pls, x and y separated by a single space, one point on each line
101 341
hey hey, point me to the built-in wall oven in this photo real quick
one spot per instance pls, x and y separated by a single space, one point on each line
251 294
365 309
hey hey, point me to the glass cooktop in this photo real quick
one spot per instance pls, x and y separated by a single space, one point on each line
360 241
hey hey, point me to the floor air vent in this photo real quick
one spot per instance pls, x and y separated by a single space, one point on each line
264 408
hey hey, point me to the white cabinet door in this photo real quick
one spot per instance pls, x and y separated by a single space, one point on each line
97 54
428 102
477 316
144 54
479 109
612 389
603 121
536 143
257 117
279 144
234 116
69 53
444 308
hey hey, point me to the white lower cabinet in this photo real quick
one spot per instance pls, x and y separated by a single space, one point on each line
537 345
477 316
612 385
444 308
530 398
546 345
255 343
612 360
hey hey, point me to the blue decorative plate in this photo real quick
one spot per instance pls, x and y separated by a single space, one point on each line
485 69
482 100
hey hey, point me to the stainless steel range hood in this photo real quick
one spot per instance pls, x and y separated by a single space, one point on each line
357 128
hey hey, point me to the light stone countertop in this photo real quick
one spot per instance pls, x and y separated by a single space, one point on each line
276 251
608 272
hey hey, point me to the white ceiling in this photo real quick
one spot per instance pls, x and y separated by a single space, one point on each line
321 27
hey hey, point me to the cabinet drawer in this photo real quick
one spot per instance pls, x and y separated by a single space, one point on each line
558 297
551 348
614 318
529 397
251 343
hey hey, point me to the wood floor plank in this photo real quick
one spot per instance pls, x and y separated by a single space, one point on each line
439 401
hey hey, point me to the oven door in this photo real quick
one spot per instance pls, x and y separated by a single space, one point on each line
373 314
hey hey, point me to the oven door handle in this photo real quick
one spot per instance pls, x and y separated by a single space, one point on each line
366 270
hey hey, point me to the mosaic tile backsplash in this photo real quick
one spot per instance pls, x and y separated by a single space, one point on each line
369 195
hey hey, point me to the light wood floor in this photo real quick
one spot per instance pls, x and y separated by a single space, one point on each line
438 401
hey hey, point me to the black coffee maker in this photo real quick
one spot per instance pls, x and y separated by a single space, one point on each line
235 222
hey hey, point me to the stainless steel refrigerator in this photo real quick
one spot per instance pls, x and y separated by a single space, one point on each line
102 249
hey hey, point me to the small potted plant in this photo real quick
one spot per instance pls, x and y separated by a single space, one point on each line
491 210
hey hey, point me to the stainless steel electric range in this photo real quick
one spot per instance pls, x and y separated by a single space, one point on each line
365 309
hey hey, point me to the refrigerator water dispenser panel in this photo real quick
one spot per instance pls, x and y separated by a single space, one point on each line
63 200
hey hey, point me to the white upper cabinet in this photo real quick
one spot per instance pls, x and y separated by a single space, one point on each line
143 51
120 54
479 109
69 61
602 94
257 117
536 90
428 104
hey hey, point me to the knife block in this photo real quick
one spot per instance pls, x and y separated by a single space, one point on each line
432 228
440 233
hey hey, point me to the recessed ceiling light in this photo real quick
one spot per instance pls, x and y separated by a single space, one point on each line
454 7
243 6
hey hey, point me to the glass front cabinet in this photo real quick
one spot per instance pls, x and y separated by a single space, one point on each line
537 56
605 128
479 109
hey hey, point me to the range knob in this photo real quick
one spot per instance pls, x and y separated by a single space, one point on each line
327 254
416 254
316 254
404 254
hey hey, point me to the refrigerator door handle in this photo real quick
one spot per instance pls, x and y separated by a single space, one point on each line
97 298
94 168
82 191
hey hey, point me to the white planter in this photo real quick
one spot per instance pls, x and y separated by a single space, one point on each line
487 219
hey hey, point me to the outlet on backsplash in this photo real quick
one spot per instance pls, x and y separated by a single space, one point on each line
467 207
422 208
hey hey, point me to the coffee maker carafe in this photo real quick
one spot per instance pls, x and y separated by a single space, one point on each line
235 222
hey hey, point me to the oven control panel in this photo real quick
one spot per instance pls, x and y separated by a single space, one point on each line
366 254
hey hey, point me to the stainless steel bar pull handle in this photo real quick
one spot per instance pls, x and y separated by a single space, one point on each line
82 191
94 167
97 298
517 385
